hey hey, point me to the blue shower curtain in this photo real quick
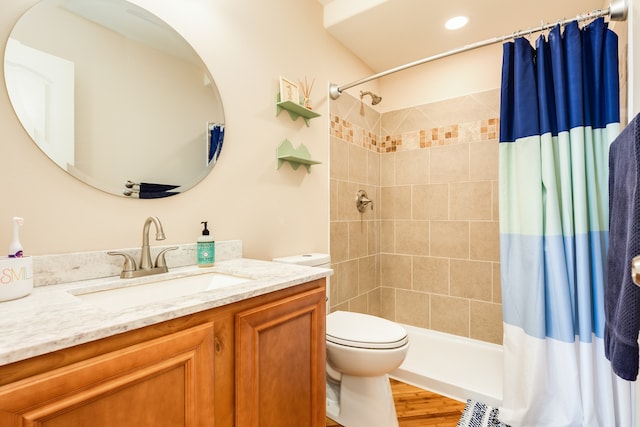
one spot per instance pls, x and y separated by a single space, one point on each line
559 113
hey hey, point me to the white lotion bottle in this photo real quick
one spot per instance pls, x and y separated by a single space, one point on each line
15 247
206 247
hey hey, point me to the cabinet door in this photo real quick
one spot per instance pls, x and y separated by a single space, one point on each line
163 382
280 363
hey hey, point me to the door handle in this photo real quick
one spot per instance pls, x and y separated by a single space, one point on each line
635 270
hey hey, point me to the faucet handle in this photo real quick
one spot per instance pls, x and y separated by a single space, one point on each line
129 262
160 260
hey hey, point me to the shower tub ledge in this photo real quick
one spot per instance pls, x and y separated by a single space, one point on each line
453 366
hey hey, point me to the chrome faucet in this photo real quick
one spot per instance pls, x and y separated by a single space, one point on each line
145 254
146 268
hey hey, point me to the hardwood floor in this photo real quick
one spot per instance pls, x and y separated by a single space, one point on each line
417 407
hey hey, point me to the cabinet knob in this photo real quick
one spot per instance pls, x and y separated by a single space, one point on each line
218 345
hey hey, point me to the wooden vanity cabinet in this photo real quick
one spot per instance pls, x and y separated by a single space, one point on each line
280 363
257 362
163 382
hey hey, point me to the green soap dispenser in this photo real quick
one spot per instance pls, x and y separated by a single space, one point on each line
206 248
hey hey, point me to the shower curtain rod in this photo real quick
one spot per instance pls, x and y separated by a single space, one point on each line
617 11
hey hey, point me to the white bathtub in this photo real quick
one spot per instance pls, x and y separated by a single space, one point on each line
453 366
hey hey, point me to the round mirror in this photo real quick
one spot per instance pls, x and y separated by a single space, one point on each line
114 96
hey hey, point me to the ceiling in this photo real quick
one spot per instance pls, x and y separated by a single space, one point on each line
390 33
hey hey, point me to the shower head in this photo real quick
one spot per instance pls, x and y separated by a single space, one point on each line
375 99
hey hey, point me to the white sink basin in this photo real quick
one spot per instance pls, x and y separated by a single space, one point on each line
133 295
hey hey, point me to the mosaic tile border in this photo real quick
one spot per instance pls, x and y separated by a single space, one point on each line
480 130
350 132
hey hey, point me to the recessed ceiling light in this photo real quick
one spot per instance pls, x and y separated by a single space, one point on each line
456 22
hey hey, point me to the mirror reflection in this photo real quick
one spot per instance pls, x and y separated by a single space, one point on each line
114 96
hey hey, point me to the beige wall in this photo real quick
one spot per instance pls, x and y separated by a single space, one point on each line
428 253
471 72
247 45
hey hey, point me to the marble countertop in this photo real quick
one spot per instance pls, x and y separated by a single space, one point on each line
52 317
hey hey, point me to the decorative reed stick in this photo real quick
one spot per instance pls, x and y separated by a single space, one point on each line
306 91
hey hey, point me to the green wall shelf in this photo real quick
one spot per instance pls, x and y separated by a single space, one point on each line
295 156
295 110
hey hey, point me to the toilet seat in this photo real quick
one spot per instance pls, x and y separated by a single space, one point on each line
364 331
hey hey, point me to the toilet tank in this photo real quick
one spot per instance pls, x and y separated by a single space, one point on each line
313 259
310 259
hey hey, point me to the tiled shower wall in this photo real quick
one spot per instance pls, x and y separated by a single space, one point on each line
354 236
428 252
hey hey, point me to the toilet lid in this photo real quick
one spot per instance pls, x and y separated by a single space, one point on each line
364 331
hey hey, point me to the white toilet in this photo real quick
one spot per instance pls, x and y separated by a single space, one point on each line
361 351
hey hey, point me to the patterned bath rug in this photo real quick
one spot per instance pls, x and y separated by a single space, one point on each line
477 414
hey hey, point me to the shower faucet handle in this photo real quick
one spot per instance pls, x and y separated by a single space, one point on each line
362 201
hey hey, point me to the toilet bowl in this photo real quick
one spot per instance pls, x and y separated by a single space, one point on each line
361 351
